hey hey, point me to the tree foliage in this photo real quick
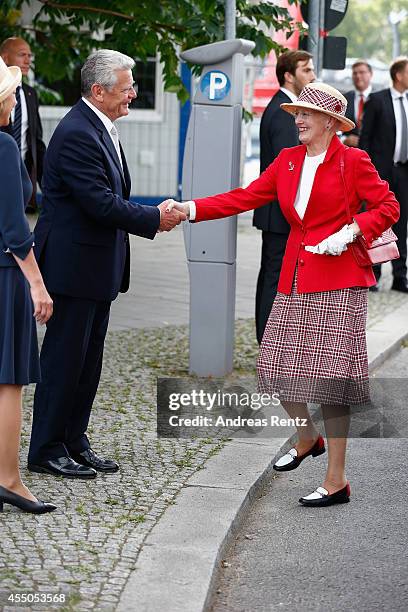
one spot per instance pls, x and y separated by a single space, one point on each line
64 32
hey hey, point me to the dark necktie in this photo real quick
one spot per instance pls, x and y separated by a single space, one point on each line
17 119
404 133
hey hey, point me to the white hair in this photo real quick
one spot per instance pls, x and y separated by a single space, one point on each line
101 68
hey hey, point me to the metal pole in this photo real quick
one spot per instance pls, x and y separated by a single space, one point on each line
313 36
230 19
320 42
396 42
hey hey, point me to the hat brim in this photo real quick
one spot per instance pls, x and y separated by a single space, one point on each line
345 124
13 83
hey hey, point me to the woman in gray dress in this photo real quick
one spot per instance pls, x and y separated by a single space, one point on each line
23 301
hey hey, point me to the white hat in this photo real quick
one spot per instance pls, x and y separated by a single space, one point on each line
323 98
10 78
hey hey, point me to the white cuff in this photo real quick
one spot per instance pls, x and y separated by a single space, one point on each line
193 210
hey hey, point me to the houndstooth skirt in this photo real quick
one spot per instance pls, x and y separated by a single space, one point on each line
314 347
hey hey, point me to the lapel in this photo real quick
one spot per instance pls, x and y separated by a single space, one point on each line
105 137
350 107
389 109
293 171
125 171
28 94
334 146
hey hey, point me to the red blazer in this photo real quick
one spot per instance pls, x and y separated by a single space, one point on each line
325 214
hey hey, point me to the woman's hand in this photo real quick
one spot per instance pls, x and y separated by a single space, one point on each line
43 304
337 243
183 207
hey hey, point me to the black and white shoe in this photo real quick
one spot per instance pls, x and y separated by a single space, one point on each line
321 497
292 460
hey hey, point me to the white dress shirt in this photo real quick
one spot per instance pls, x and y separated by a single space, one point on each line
24 123
398 119
109 125
290 94
309 169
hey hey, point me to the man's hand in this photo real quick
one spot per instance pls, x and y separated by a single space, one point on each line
169 218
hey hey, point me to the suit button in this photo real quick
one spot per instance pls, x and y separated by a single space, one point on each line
301 262
302 244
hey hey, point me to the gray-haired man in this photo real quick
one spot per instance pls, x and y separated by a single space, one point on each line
83 250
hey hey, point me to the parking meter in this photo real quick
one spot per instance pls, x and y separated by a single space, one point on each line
212 165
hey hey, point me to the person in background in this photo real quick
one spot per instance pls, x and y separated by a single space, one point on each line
25 125
384 135
314 347
294 70
22 292
361 73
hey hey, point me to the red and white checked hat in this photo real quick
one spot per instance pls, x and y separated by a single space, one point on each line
323 98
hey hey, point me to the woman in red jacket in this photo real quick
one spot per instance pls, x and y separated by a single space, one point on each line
314 345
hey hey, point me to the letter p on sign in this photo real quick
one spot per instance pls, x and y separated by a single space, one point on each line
218 81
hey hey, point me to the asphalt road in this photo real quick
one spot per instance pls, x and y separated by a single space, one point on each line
341 558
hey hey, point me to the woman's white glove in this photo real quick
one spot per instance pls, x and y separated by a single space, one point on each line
335 244
184 207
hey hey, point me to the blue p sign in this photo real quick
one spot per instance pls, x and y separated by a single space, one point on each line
215 85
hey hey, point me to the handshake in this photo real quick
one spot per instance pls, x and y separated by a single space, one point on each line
172 213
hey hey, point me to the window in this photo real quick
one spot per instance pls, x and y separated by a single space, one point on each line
144 74
147 106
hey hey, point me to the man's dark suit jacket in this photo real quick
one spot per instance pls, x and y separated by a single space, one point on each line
278 131
378 132
81 235
350 97
35 146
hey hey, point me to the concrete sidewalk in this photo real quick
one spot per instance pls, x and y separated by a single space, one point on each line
149 537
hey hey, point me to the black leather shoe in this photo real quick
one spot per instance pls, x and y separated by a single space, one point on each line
18 501
291 460
63 466
400 284
90 458
321 497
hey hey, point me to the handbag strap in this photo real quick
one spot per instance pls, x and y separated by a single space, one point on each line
346 197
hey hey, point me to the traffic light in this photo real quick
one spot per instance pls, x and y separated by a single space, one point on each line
334 48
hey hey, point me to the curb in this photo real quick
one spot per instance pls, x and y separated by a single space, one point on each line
386 336
177 568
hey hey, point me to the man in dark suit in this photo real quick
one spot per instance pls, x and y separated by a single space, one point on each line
83 250
294 70
361 73
384 135
25 125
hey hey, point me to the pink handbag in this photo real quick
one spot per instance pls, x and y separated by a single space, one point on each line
381 250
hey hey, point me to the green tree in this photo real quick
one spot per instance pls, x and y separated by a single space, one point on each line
64 31
368 31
